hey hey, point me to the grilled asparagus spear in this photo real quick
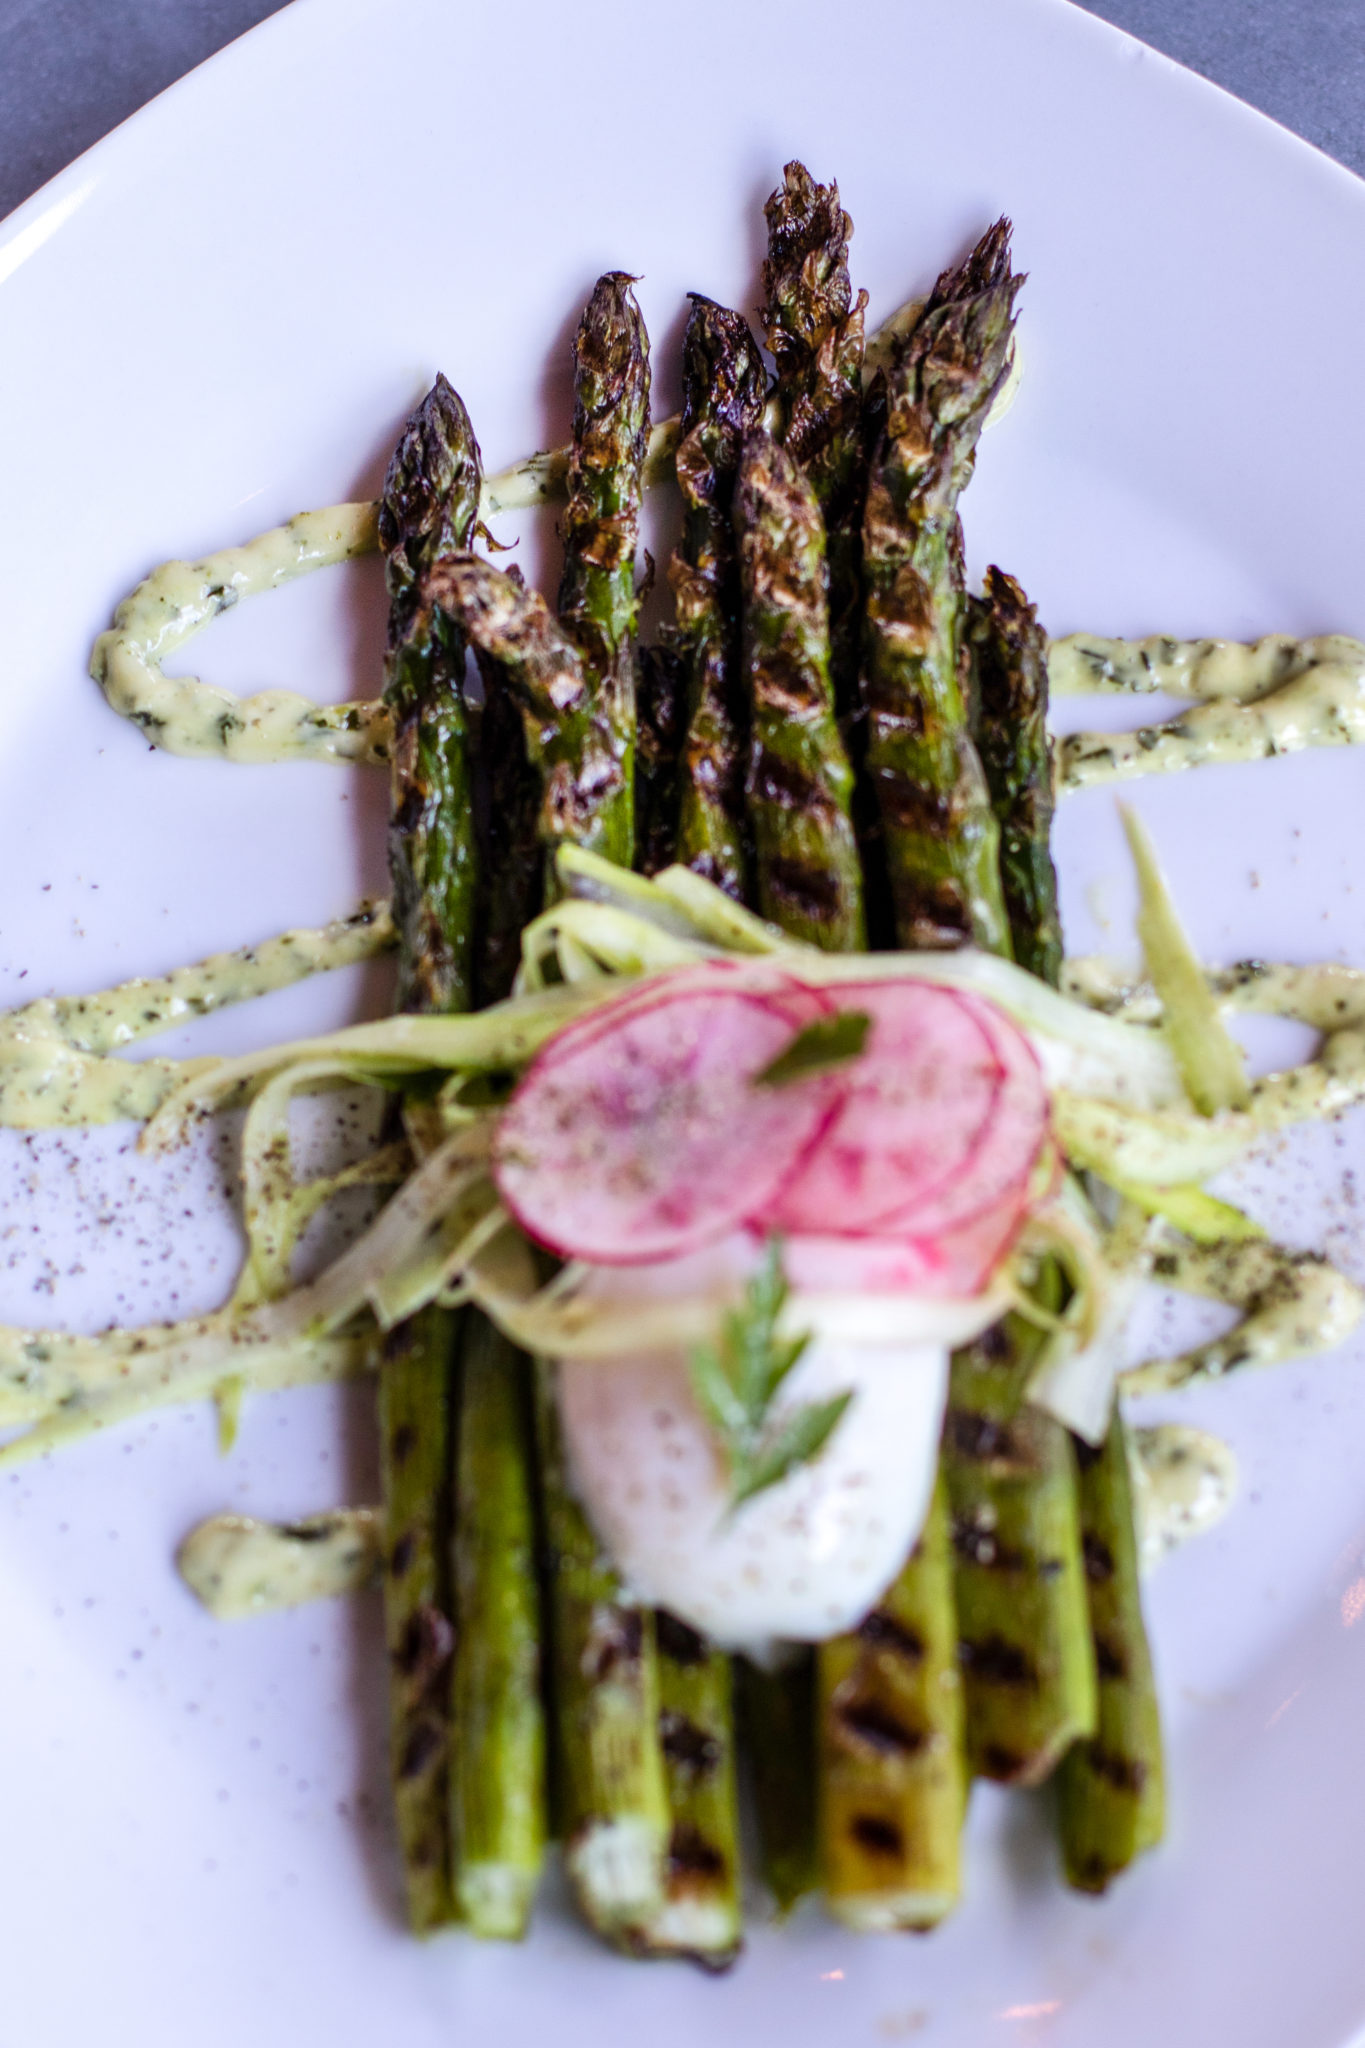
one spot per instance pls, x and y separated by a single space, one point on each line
497 1768
808 880
701 1912
815 334
777 1718
723 392
598 603
660 711
510 856
893 1780
569 742
430 502
574 685
1112 1800
1009 712
1027 1667
1027 1657
799 785
612 1791
427 513
1110 1785
941 840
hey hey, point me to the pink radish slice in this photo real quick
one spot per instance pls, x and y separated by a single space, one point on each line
954 1266
638 1133
917 1105
1000 1164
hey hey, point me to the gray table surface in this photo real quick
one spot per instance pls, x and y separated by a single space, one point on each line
70 70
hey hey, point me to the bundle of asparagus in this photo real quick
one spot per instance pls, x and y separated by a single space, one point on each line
804 726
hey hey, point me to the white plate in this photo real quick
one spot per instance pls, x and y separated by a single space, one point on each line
221 315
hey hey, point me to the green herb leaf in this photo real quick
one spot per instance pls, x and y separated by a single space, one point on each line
828 1042
736 1381
801 1437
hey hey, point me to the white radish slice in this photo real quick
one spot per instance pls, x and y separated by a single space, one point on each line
640 1134
996 1175
916 1106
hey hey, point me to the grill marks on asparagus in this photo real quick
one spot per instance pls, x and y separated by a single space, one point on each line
814 330
701 1914
799 784
893 1783
941 838
724 386
1112 1796
1009 703
415 1438
598 602
427 514
572 682
612 1789
1111 1802
1027 1659
570 743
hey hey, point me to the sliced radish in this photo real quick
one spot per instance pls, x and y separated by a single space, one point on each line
639 1132
999 1167
956 1265
917 1105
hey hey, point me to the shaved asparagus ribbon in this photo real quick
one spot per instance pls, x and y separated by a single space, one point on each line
1120 1113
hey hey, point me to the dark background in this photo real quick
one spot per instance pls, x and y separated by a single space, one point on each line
70 70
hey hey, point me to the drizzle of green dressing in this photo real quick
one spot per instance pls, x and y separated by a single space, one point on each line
1293 1304
239 1566
184 715
1272 696
1184 1481
57 1055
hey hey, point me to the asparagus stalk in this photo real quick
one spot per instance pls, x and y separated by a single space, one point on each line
508 820
815 334
1111 1785
893 1781
799 785
1028 1669
808 880
427 512
777 1720
498 1763
574 686
660 712
1027 1658
415 1437
1112 1800
429 506
941 839
723 393
597 597
1009 703
569 742
605 1690
701 1912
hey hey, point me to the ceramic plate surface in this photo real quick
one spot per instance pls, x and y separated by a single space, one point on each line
221 315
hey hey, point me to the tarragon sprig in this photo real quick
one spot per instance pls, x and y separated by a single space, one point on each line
737 1380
